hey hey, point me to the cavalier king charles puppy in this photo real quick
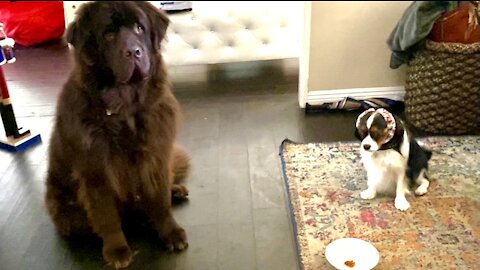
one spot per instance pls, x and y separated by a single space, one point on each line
393 159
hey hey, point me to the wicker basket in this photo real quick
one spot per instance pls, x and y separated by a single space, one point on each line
442 91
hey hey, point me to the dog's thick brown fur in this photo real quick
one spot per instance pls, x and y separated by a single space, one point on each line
113 143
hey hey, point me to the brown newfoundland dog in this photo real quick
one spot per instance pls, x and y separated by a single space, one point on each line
113 144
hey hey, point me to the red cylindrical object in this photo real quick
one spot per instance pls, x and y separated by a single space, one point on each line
3 85
6 110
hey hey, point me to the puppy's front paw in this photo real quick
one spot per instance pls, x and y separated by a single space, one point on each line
401 204
368 194
421 190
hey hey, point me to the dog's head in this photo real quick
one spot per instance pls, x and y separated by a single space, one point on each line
118 40
377 129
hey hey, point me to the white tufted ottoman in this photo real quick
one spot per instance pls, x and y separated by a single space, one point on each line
222 32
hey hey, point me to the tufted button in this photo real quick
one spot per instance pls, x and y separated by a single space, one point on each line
212 28
230 43
248 26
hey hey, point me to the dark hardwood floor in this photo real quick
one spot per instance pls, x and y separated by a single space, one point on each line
235 117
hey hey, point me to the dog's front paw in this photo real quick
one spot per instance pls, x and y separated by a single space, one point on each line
175 240
118 256
179 192
401 204
368 194
173 236
421 190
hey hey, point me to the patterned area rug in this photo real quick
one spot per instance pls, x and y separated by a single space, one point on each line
441 230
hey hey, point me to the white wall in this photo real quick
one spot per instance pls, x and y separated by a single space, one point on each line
347 51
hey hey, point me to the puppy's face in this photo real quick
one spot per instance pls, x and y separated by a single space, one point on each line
119 39
372 131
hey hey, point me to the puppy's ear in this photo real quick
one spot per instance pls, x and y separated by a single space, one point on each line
159 23
361 122
399 127
357 134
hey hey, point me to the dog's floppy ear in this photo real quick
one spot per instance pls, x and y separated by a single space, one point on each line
399 126
158 23
77 35
361 119
357 134
71 35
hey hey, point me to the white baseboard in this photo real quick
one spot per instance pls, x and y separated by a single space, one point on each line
325 96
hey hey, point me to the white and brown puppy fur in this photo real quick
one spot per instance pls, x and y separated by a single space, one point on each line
394 161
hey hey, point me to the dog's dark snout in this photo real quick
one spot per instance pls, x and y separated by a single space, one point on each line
134 51
367 146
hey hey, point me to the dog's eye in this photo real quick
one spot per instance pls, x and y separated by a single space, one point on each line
109 36
139 28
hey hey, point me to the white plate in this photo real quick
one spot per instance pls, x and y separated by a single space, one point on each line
364 254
